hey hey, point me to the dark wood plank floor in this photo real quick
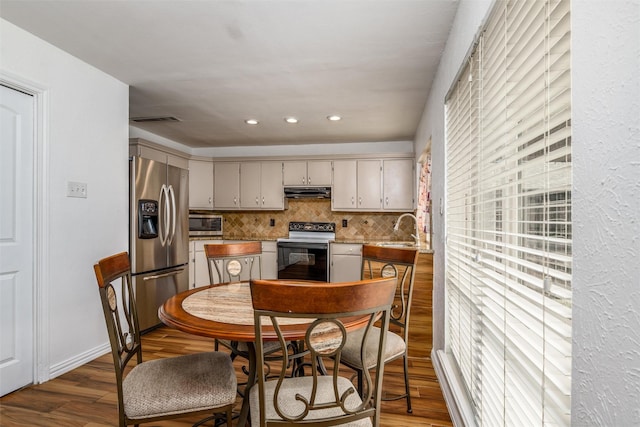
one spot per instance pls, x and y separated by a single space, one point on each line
87 397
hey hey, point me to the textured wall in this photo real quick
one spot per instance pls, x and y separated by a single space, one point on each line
606 213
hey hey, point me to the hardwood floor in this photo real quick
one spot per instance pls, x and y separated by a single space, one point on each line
87 397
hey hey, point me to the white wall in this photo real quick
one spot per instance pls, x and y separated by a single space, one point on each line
85 138
606 212
468 20
606 207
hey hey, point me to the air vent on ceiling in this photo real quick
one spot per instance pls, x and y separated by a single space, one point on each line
155 119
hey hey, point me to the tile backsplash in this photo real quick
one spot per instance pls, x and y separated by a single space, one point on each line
361 226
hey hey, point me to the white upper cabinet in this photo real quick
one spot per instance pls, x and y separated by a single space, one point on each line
272 195
226 183
261 185
200 184
373 185
369 186
345 191
357 185
398 184
313 172
248 185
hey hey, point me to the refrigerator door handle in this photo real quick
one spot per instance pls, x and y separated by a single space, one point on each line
167 274
164 230
174 213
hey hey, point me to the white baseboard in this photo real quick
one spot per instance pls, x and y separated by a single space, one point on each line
79 360
455 396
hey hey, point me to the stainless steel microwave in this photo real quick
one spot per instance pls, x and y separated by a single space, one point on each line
205 225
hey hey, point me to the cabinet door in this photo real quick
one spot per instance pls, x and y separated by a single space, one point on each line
398 184
295 173
269 260
319 172
343 195
250 176
369 185
201 271
346 262
226 185
200 184
272 195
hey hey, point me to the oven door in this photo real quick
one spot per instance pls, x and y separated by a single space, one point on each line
303 260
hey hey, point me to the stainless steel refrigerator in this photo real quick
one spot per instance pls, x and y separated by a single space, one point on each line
159 235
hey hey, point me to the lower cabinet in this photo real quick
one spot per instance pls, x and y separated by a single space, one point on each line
269 260
346 261
199 271
200 275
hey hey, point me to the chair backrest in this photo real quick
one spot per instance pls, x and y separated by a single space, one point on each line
384 261
322 310
118 304
233 262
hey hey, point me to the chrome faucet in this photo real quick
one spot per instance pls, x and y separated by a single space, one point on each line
415 236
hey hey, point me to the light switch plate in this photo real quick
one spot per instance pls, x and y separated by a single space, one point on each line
77 189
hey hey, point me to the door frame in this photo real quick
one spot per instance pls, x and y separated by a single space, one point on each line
40 93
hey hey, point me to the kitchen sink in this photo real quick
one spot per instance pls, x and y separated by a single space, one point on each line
396 245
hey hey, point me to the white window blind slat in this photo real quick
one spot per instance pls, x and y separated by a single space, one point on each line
509 260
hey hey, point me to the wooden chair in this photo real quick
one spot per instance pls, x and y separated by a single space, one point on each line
379 261
234 262
316 399
202 383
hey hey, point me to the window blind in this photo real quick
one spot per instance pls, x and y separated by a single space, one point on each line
508 221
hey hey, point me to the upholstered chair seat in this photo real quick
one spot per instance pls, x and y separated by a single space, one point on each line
170 386
394 348
302 386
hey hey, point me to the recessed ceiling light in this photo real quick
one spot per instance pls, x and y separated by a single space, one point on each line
291 120
251 121
334 118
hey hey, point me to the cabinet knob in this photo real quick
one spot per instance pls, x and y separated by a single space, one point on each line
309 180
257 201
210 200
303 180
360 201
386 200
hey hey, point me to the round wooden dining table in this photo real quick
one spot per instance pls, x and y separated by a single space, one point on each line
225 311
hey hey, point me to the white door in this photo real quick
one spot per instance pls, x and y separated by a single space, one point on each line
16 239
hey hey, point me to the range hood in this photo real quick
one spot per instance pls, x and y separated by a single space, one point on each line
307 192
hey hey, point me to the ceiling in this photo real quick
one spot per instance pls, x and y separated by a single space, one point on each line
214 63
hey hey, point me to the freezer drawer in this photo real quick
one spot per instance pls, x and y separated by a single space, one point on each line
153 289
